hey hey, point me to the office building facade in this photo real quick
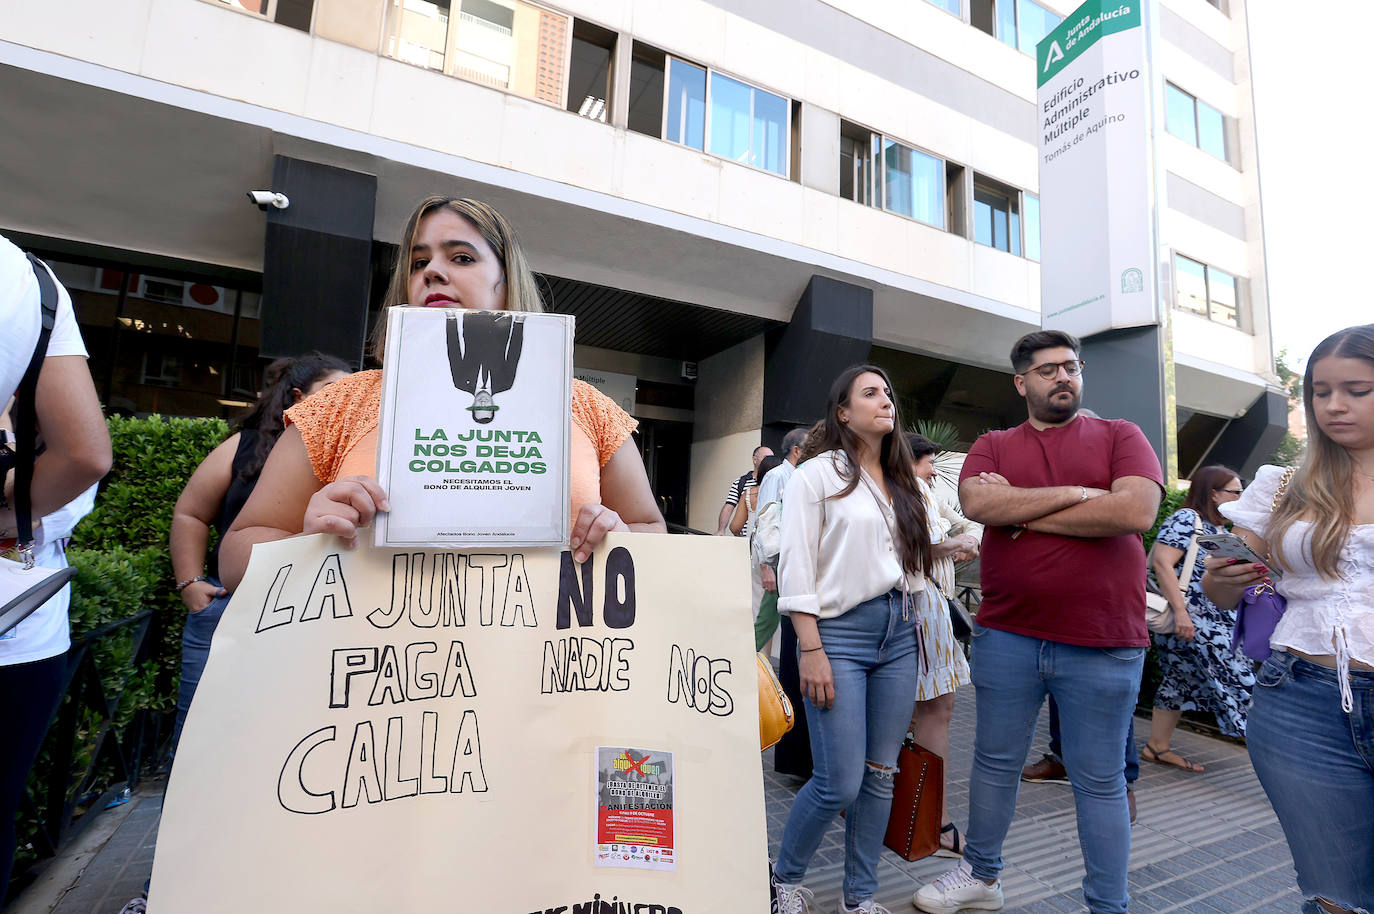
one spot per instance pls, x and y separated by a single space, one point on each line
735 198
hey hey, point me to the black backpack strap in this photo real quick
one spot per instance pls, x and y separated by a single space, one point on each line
26 406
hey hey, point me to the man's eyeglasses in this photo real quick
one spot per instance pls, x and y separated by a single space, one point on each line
1050 370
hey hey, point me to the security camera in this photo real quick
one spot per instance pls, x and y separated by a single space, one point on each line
265 198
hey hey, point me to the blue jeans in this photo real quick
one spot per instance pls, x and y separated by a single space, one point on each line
195 650
854 743
1316 764
1095 689
1057 744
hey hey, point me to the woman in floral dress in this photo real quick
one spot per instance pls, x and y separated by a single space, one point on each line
1201 672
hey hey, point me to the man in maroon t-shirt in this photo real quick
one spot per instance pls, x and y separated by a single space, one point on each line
1064 499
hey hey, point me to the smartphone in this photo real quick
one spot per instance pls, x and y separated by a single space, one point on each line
1230 546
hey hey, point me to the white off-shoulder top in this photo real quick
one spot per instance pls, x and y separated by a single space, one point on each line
1324 616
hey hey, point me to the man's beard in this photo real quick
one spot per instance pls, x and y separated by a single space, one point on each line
1047 409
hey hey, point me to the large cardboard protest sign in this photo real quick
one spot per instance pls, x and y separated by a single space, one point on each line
495 732
474 434
1097 185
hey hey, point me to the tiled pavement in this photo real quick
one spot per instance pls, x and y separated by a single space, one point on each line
1203 844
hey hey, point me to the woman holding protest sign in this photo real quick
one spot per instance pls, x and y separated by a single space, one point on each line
454 253
855 546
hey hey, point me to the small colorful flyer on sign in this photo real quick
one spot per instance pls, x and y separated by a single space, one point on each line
473 443
634 808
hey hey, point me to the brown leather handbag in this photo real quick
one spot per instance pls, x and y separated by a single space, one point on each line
918 793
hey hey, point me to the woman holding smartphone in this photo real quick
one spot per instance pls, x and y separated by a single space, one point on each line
1199 670
855 546
1311 727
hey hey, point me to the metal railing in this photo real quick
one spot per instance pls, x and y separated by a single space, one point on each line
85 723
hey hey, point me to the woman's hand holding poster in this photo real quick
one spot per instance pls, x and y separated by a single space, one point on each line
473 441
411 730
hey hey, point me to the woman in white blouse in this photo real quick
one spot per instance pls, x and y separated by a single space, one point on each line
1311 729
855 544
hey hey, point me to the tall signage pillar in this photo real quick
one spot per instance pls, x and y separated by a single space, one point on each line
1100 195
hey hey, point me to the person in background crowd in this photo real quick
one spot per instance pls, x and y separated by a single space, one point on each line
732 498
855 551
1200 671
953 540
769 534
214 495
1064 499
454 253
743 524
1311 726
76 455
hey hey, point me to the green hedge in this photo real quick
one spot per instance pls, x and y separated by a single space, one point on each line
120 554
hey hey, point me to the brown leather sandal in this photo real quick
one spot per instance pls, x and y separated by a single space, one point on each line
1183 764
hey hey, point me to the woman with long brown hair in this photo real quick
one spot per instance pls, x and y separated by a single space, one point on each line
856 543
1311 729
1199 670
454 253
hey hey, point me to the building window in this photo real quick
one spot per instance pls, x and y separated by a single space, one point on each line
715 113
949 6
589 70
1030 222
1019 23
879 171
857 179
512 45
686 121
646 90
996 215
748 125
1206 291
913 183
1195 122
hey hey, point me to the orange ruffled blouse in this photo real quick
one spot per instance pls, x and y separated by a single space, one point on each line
339 426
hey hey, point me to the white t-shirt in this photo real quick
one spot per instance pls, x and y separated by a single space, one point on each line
44 633
21 317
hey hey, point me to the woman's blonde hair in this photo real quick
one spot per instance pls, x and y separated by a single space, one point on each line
1322 490
522 293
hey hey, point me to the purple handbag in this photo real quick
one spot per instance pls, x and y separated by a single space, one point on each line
1257 614
1260 609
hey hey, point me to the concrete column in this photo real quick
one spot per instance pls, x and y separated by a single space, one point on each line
620 79
728 411
1125 378
1246 443
831 329
317 261
820 149
359 23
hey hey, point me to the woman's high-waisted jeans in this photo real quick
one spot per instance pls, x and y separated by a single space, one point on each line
1317 766
854 744
195 651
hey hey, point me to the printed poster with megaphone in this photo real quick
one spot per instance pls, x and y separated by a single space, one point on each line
475 424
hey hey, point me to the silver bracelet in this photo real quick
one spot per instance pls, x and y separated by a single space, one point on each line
195 580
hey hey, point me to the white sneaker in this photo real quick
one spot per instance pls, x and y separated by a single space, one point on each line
956 890
792 899
866 907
